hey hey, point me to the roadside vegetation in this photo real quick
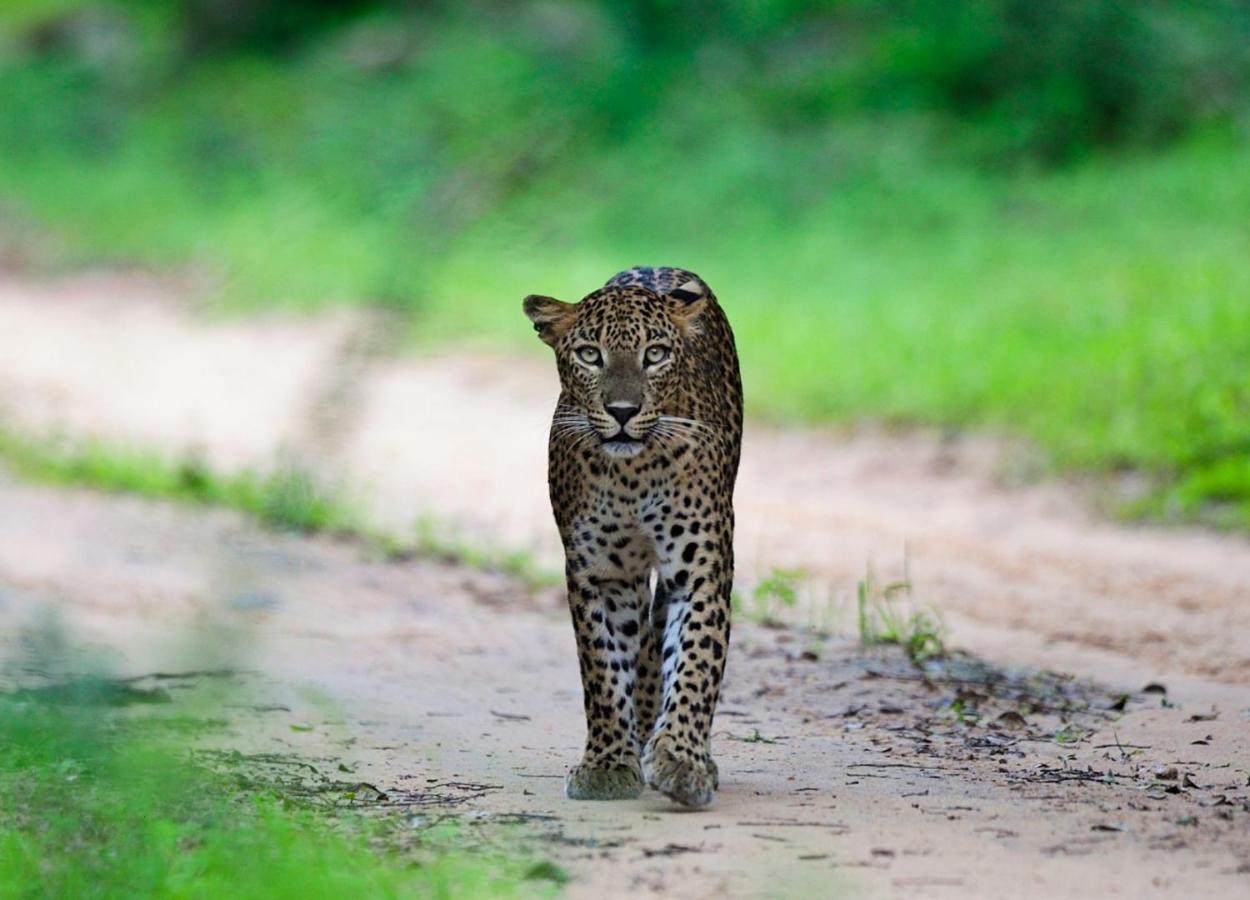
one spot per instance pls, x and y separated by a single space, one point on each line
101 796
889 614
983 215
884 613
284 498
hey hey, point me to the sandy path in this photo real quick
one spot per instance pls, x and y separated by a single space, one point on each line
436 686
1020 572
445 687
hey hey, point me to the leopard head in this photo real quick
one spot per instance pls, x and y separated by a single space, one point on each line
621 355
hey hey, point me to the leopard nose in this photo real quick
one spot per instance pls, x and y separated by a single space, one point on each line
622 412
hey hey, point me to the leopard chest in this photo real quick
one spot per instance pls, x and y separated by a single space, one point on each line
620 519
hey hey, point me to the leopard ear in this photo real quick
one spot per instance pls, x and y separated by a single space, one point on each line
551 317
688 291
691 300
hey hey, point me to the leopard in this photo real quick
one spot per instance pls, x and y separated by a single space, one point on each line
643 456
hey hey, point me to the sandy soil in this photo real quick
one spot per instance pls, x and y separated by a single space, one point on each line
873 785
843 771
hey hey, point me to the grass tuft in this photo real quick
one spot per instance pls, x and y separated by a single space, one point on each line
887 614
776 593
755 737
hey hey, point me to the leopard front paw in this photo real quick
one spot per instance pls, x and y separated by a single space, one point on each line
688 781
603 782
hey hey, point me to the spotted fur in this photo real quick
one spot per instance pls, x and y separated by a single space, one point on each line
643 455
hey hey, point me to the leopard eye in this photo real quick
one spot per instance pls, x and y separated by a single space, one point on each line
656 354
590 355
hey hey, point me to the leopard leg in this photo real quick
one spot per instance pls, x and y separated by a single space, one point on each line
649 686
606 621
677 759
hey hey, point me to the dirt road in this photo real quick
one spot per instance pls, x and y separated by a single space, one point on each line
844 773
876 782
1021 571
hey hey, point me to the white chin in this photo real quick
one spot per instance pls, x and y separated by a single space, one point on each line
623 451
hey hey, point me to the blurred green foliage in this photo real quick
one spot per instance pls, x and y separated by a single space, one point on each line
99 802
991 213
284 499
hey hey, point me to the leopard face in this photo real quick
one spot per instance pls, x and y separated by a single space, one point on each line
621 355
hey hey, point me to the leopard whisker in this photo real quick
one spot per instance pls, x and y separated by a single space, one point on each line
670 437
688 432
688 424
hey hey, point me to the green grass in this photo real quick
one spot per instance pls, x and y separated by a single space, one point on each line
1098 312
876 259
791 597
1070 733
755 737
888 614
285 499
436 540
775 593
93 804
